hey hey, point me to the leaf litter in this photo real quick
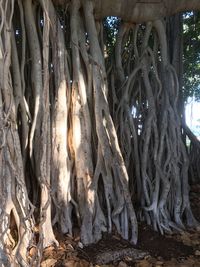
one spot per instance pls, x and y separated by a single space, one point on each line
176 250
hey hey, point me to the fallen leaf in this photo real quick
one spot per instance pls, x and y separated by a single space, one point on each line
159 263
69 247
48 263
122 264
197 253
195 242
171 263
80 245
70 263
83 263
127 258
143 263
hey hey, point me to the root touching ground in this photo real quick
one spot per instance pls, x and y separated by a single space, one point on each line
90 135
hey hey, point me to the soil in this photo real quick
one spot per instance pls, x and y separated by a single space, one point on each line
180 249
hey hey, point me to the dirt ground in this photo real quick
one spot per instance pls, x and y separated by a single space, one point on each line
181 249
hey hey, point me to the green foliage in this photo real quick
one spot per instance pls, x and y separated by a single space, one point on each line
191 51
111 26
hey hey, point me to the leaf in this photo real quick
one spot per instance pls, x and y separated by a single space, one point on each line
48 263
70 263
122 264
197 253
143 263
83 263
159 263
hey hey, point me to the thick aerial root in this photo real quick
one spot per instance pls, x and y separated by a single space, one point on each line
107 138
85 135
60 171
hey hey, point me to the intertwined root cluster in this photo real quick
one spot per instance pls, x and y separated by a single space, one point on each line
84 135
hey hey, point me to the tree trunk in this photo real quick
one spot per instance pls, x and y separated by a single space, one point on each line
138 11
86 136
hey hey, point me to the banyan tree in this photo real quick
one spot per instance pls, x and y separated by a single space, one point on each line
90 129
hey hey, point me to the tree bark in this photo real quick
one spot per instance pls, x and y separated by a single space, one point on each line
86 136
139 11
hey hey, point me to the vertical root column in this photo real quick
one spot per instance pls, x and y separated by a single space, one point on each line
47 237
152 85
92 225
60 171
14 192
107 138
40 147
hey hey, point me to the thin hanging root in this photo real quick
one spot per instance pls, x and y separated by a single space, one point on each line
36 76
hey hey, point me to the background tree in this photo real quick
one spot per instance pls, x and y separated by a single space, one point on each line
191 89
191 35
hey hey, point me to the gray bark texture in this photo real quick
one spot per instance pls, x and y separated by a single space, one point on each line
138 11
89 130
